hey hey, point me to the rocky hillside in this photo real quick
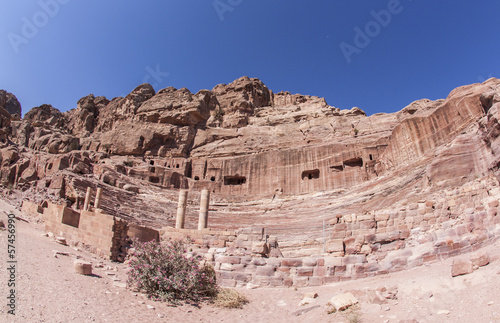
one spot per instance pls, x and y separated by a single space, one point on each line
265 156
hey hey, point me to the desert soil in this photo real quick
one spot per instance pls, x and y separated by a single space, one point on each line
48 290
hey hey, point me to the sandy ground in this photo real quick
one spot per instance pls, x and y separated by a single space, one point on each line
48 290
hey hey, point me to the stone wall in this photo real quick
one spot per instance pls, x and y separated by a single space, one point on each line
446 224
103 234
358 245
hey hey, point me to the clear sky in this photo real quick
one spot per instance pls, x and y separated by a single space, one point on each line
376 55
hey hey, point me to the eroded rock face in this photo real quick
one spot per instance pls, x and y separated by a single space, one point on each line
238 101
241 139
9 102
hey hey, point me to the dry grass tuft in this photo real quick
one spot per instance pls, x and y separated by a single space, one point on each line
229 298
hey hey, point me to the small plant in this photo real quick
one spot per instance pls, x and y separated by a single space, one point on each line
356 131
230 298
163 272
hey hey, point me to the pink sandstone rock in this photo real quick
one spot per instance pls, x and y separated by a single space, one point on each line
461 267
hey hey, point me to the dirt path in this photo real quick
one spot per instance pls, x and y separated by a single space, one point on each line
48 290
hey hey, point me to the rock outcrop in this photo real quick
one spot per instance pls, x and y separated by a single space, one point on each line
294 155
9 103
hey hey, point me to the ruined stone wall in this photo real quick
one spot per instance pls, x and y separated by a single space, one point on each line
358 245
445 224
103 234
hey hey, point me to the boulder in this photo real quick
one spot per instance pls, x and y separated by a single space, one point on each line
461 267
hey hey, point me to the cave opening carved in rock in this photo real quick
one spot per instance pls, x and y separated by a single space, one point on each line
354 162
310 174
235 180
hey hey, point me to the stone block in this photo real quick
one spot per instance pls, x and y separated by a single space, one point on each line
368 224
305 271
331 279
226 266
262 280
260 248
259 261
354 259
265 271
291 262
461 267
343 301
316 281
352 245
287 282
228 259
273 262
334 261
83 267
300 281
336 245
319 271
309 262
276 281
243 277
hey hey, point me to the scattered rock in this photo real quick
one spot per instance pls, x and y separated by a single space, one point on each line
83 267
60 253
443 312
281 303
343 301
461 267
61 240
151 307
482 259
307 300
310 295
305 310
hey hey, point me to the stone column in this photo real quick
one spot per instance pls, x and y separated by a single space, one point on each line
98 195
181 209
87 199
204 202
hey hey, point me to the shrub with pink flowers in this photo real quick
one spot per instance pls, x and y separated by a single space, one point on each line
164 272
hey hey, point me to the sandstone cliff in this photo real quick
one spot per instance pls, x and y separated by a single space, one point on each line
244 142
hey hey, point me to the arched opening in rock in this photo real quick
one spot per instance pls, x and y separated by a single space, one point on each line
212 178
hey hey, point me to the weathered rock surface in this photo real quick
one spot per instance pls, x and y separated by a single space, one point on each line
283 161
9 103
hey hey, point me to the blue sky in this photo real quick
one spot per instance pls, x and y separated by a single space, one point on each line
57 51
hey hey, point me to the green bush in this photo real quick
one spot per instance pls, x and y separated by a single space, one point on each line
164 272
